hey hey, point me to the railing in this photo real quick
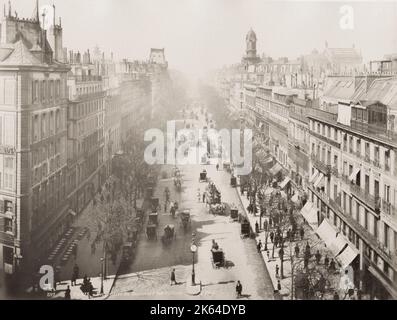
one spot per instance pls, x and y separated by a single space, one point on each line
328 140
299 117
320 165
389 209
87 78
324 115
367 198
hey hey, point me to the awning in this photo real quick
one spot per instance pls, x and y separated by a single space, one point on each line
275 169
352 177
311 217
347 256
318 180
284 183
306 208
295 198
313 176
334 240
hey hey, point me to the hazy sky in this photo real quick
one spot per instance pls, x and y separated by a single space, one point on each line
203 34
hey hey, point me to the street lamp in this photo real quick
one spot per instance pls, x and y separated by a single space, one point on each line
102 267
193 249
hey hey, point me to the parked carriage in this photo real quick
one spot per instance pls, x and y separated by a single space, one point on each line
151 231
245 228
155 203
153 218
203 176
233 181
234 213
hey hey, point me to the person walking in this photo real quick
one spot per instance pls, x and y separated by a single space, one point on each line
318 257
297 250
265 225
278 285
277 269
256 227
259 246
326 261
75 274
302 233
239 289
67 293
203 197
173 278
272 236
217 166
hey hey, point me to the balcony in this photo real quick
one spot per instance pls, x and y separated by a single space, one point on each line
364 196
389 209
320 165
376 163
328 140
323 115
87 78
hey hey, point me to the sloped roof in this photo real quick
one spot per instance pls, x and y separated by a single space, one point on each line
344 54
382 90
340 88
21 55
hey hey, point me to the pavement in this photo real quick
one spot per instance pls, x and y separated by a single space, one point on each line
272 261
77 294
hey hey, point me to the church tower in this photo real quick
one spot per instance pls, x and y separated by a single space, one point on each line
250 52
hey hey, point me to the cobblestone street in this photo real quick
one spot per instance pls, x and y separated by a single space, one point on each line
245 264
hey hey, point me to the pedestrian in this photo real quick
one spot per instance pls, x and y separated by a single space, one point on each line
265 225
75 274
289 234
67 293
297 250
271 236
332 266
239 289
277 269
307 249
306 262
326 261
259 246
336 295
302 233
203 197
173 279
217 166
270 221
256 227
318 257
268 255
278 285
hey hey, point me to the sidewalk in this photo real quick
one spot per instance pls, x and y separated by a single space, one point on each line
271 263
77 294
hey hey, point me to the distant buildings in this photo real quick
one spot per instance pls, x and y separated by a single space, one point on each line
329 129
62 118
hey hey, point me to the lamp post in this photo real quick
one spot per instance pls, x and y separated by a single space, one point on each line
102 267
193 249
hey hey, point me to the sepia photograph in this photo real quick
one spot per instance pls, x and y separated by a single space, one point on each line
198 150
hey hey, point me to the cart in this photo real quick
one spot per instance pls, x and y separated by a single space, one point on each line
245 229
155 203
186 222
151 232
127 253
153 218
233 182
169 234
203 176
218 258
234 213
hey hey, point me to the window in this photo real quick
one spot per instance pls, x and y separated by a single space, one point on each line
7 225
8 163
386 235
8 180
375 227
8 255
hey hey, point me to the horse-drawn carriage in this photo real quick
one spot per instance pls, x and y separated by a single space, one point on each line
233 181
155 204
186 222
203 176
151 231
218 209
218 258
234 213
245 228
127 253
153 218
169 234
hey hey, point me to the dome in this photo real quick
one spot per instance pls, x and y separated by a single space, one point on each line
251 35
